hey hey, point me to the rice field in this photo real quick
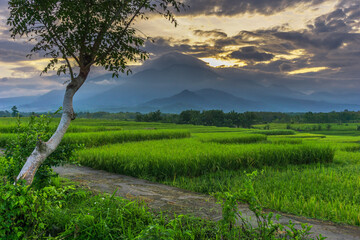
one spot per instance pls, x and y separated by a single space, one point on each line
167 159
98 138
231 138
307 170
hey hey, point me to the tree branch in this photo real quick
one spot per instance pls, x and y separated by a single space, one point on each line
102 56
56 38
70 68
104 30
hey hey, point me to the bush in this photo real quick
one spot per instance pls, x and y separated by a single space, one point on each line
21 145
20 212
67 212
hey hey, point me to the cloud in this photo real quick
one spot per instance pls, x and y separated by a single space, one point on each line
27 69
211 33
15 87
251 54
234 7
11 51
161 45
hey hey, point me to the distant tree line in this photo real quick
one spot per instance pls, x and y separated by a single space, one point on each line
247 119
207 118
214 117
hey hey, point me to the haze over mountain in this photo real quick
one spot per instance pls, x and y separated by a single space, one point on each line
175 82
282 55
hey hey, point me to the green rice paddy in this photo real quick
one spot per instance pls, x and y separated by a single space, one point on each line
307 170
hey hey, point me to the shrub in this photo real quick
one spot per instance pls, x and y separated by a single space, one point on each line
20 212
21 145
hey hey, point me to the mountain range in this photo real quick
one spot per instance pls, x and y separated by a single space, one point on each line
175 82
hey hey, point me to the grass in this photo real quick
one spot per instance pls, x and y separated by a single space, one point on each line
93 139
278 140
299 174
65 211
231 138
104 138
168 159
322 191
276 132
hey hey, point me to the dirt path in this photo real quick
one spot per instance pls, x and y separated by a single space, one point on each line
175 200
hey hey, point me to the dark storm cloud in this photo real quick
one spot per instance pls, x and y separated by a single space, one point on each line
251 54
160 45
11 51
328 41
212 33
26 69
310 41
233 7
329 32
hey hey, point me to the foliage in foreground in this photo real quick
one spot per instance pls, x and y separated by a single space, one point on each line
19 147
66 212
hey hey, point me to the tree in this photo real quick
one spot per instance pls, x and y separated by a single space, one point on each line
213 118
14 111
76 35
190 117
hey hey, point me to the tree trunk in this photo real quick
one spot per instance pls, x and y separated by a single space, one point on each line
44 149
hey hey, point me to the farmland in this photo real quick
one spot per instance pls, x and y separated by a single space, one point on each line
306 170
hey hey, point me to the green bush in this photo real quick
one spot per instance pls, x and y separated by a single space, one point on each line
5 138
67 212
21 145
20 212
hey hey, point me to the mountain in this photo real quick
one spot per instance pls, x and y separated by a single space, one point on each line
207 99
203 99
8 103
152 83
159 84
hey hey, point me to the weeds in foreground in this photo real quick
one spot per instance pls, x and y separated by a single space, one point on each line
62 211
234 225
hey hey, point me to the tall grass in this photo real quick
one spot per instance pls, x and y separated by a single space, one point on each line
286 140
231 138
103 138
276 132
72 128
5 138
93 139
167 159
328 192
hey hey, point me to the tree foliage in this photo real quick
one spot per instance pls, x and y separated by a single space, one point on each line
83 33
76 35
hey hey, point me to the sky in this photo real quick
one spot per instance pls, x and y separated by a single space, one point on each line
306 45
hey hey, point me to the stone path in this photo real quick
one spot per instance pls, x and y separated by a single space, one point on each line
175 200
